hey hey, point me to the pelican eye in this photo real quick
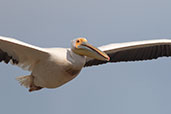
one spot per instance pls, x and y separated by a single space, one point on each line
78 41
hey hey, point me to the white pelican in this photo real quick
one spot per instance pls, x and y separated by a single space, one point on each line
53 67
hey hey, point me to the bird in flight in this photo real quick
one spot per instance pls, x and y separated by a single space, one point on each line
53 67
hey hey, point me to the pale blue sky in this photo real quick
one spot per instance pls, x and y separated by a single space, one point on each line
118 88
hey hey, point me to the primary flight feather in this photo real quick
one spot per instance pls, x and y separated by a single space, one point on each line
53 67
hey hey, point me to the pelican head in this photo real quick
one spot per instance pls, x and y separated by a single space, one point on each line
81 47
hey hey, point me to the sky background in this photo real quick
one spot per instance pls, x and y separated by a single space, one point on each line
116 88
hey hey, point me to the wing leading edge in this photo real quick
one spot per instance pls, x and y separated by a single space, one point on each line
134 51
21 54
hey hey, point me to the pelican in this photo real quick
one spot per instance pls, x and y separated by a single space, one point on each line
53 67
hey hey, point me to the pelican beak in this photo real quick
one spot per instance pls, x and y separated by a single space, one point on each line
87 49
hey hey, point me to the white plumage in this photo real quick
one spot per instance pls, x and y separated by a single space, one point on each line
53 67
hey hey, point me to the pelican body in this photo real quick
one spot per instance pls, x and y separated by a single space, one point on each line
58 68
53 67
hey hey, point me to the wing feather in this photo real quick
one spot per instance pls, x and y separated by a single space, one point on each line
134 51
21 54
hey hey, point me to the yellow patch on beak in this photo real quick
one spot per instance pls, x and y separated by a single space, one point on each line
79 41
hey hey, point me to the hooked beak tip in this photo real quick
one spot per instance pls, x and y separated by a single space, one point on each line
108 59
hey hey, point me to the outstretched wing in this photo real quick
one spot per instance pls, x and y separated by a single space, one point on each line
134 51
21 54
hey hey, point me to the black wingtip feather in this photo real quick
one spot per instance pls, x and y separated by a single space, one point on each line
6 58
